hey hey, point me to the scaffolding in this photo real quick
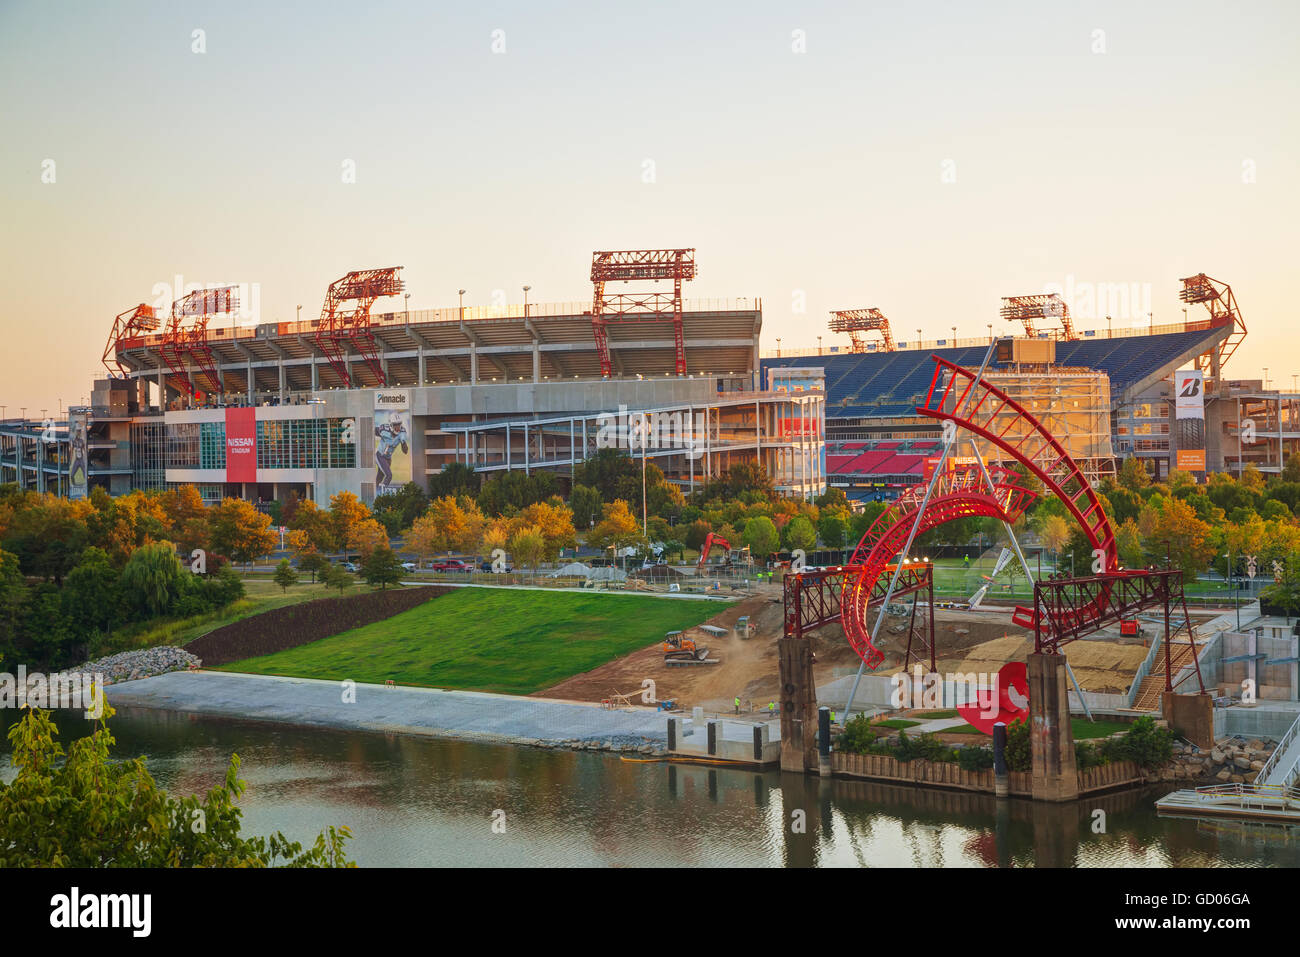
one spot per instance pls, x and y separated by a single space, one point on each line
1071 404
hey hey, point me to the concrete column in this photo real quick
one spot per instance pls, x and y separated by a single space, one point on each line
1055 776
537 362
824 742
713 737
423 367
798 705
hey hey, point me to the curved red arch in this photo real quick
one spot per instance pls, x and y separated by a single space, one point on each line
960 396
958 494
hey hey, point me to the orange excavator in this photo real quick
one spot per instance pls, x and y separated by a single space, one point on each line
732 556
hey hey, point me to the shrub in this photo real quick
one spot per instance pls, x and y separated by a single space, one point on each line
1019 752
1087 755
975 758
1146 743
858 737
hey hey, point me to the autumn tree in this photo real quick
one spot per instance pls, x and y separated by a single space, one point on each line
239 530
617 528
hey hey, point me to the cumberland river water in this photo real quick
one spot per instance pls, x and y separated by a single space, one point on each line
420 802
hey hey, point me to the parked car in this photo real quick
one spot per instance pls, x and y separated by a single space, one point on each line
487 566
450 565
409 566
351 567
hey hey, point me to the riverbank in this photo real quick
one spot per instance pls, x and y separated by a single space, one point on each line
429 712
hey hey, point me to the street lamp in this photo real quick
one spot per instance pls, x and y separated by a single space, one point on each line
526 288
461 293
406 298
990 325
1109 332
1236 598
778 346
819 347
299 312
954 335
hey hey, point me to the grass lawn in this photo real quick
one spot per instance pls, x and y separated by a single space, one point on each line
895 724
935 715
1081 729
483 639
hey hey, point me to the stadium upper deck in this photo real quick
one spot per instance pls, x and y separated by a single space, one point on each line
475 344
889 384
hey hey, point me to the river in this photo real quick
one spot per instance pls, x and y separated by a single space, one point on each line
415 802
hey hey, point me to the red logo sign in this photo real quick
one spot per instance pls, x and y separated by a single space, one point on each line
1012 702
241 445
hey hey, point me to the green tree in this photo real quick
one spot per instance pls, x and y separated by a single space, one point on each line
336 576
586 504
285 575
761 536
86 809
152 576
832 530
382 567
313 562
1133 474
798 533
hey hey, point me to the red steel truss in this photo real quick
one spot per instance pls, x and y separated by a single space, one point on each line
1218 298
181 344
127 325
1025 309
1024 439
638 265
857 321
813 599
339 327
958 493
1069 608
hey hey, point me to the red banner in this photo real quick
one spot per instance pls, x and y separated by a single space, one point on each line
241 445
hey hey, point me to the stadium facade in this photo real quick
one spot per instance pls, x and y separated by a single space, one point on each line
544 386
496 389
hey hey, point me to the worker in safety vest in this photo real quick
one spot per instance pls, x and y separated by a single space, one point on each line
771 707
737 704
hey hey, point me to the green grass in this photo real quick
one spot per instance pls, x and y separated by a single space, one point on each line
480 639
1081 729
935 715
895 724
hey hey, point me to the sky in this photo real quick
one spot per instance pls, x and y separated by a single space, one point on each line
926 158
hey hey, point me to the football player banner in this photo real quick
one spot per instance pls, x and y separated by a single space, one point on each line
392 440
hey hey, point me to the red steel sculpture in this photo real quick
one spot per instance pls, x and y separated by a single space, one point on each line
1064 608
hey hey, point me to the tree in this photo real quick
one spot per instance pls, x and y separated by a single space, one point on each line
366 536
346 513
1054 533
313 562
761 536
528 546
92 596
585 503
285 575
99 811
239 530
397 510
617 528
798 533
553 520
1133 475
382 567
456 480
448 525
152 576
336 576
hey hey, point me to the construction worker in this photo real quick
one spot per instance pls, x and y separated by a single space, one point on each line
771 707
737 704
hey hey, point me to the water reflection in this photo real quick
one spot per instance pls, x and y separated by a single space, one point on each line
423 802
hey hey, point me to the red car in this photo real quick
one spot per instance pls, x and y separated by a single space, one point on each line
450 565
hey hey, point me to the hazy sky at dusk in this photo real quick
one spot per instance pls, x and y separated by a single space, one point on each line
1170 153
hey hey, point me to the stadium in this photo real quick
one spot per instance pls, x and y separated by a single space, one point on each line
364 400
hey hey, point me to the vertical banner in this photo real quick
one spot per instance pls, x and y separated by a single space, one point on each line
78 473
1189 394
392 440
241 445
1189 413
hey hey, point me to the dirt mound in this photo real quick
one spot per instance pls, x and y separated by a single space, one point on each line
303 623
